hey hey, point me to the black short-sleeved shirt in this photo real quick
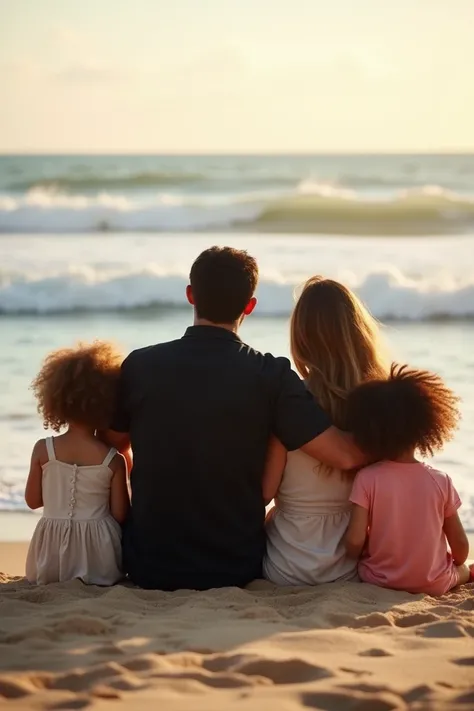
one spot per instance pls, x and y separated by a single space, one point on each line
200 411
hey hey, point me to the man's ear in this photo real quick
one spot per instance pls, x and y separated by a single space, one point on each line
250 306
189 294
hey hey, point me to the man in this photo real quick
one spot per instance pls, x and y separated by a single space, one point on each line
199 412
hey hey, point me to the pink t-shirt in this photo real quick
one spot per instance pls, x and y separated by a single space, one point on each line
406 547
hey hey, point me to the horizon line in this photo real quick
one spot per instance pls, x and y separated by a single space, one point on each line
231 154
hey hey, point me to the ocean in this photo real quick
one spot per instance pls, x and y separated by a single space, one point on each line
101 246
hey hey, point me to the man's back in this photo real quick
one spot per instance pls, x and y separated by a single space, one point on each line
200 411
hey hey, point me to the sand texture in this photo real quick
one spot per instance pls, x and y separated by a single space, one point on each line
349 647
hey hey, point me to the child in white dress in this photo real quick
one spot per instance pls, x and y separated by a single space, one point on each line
334 344
80 481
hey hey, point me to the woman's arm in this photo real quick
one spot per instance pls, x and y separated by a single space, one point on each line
34 484
119 498
274 467
356 534
457 539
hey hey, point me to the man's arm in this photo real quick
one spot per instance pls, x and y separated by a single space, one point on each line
300 423
336 449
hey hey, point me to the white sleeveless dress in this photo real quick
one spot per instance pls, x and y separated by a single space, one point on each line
305 529
77 537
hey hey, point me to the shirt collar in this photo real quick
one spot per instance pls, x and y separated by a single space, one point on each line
211 332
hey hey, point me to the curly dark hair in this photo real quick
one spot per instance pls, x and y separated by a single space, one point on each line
78 385
411 410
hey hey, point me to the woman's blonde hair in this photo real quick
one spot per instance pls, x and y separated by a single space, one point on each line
335 344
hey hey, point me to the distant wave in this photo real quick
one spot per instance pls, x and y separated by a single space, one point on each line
312 209
147 179
96 181
220 177
390 294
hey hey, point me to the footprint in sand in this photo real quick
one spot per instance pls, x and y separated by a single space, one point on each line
128 683
466 604
77 703
375 619
79 681
278 671
443 630
219 680
143 664
419 618
285 671
14 688
375 652
355 672
464 661
335 701
418 693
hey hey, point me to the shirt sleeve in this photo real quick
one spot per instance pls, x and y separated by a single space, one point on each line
360 494
297 418
452 502
121 417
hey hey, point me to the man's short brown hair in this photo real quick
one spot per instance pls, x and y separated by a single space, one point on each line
223 281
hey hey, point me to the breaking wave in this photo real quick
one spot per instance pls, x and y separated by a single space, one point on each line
389 293
312 209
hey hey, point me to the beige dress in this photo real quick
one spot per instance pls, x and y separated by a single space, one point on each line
305 529
77 537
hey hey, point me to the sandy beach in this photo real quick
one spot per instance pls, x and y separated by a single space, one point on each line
349 646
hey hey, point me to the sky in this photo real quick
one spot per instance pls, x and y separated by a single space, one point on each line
236 76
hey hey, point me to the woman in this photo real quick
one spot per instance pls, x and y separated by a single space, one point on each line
334 345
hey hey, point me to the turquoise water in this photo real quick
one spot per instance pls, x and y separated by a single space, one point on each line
364 195
447 347
101 246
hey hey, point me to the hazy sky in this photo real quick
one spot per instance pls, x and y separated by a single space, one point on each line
236 75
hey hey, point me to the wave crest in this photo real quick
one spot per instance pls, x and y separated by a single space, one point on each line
389 293
70 183
313 209
108 182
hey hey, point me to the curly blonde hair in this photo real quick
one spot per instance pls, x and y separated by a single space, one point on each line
78 385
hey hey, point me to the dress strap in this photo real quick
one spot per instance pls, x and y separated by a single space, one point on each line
50 449
110 455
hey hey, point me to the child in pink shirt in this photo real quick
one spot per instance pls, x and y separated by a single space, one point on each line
404 511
